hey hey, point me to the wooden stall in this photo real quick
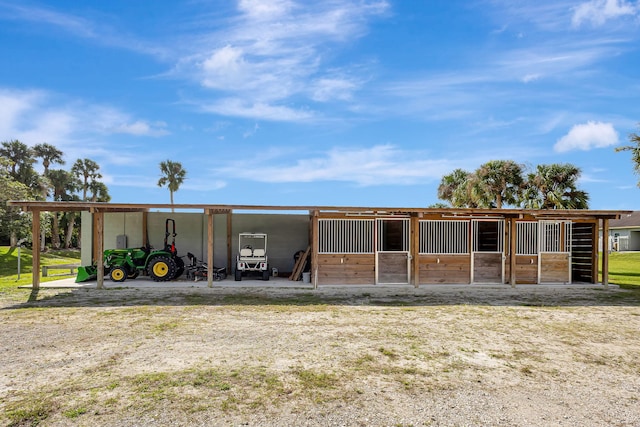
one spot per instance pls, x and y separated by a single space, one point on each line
410 246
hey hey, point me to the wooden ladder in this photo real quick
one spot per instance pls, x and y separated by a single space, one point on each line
298 268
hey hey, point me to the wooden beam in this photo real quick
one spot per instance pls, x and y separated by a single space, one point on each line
99 223
314 248
605 253
35 249
512 252
210 248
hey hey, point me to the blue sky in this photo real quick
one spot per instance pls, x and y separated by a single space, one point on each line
356 103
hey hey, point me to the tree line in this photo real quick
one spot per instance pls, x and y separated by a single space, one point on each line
20 181
504 182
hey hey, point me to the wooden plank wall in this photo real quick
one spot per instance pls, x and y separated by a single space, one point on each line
526 269
393 267
346 269
445 269
554 268
487 267
582 254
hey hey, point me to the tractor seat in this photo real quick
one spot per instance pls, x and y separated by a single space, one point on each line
258 252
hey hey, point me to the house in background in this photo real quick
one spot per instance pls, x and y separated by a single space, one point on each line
624 233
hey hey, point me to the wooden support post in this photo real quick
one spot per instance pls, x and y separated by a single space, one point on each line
95 249
99 224
35 249
594 252
145 233
415 250
605 253
512 252
210 248
229 242
314 248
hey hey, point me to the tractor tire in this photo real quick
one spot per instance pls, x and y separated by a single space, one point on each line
118 274
265 275
238 275
179 267
134 274
162 268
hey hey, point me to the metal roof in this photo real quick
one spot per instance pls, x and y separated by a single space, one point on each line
30 205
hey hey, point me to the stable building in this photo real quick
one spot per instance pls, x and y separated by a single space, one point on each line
363 245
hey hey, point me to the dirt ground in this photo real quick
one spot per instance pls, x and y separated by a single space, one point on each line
358 356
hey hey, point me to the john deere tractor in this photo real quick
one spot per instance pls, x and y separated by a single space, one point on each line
122 264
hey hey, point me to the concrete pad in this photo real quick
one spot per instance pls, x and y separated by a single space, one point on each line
145 282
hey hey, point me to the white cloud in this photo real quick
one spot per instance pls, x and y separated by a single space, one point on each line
240 108
587 136
377 165
274 51
75 127
597 12
328 89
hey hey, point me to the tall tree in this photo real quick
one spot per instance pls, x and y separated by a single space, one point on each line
64 184
22 158
453 188
87 171
99 192
173 176
634 138
13 223
554 186
48 154
500 181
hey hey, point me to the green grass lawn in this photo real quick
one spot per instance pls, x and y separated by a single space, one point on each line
9 265
624 269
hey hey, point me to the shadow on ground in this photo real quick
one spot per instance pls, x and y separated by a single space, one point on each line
406 296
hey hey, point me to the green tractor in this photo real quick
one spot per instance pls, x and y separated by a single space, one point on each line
122 264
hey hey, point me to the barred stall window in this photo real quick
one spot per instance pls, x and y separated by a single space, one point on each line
555 236
444 237
345 236
527 238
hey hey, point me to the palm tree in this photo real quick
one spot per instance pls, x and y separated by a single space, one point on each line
21 157
635 152
500 181
49 154
64 183
452 186
87 171
99 192
554 186
173 176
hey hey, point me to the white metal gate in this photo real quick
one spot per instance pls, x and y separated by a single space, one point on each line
392 251
487 251
554 260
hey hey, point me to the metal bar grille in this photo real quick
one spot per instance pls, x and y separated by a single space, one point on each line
393 237
527 238
345 236
555 236
488 235
444 237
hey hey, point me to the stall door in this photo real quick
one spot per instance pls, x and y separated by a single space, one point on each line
392 251
487 256
555 252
